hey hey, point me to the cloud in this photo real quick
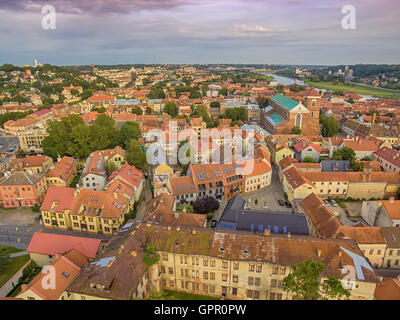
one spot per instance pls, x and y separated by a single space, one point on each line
247 28
93 6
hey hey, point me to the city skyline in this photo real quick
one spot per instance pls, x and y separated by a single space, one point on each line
199 31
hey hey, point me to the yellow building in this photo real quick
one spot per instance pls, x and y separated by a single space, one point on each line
225 264
392 254
91 211
279 152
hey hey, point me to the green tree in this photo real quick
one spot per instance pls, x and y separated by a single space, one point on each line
224 91
215 105
81 141
130 130
308 160
171 108
304 281
344 154
188 207
136 156
137 110
59 136
296 130
330 126
235 114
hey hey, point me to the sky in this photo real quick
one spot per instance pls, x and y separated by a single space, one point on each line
199 31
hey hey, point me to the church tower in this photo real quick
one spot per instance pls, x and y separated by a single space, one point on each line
313 103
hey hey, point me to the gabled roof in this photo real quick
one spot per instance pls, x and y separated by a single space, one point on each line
21 179
285 102
67 268
321 216
53 244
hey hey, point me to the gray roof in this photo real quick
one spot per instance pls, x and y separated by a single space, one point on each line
21 179
335 166
235 217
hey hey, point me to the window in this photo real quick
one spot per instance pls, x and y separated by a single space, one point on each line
251 267
256 294
250 281
224 264
236 266
212 264
170 270
259 268
257 281
273 283
212 289
249 294
224 277
162 269
212 275
235 279
234 291
282 270
275 270
164 256
205 275
205 288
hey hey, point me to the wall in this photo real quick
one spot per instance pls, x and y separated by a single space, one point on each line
10 284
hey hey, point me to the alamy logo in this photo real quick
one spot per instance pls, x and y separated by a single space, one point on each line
49 280
49 18
349 20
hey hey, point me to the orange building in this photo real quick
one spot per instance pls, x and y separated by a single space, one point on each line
22 189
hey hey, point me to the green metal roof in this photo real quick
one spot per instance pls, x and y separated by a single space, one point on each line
276 118
285 102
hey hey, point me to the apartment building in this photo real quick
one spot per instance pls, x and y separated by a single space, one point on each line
32 164
94 174
62 174
389 159
91 211
22 189
225 264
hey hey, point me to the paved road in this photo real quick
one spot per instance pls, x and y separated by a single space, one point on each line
146 197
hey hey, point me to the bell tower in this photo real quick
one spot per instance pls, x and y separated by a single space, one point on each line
313 103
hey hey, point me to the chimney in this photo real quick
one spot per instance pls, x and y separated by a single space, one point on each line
267 233
289 235
319 252
178 228
391 200
176 214
194 231
133 253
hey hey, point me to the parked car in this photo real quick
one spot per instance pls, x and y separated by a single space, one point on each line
214 223
38 217
281 203
288 204
334 203
327 203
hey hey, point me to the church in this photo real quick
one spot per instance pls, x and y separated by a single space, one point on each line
283 114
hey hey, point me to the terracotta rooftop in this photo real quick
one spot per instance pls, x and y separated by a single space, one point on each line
321 216
53 244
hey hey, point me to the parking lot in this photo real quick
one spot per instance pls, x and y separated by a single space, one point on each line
267 198
8 144
23 217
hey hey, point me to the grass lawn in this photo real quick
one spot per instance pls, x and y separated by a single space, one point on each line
8 250
13 266
358 89
175 295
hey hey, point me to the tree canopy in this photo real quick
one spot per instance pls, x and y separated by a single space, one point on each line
304 281
330 126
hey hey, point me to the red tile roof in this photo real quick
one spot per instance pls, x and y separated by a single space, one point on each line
53 244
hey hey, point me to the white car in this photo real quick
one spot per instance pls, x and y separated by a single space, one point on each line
334 203
327 203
